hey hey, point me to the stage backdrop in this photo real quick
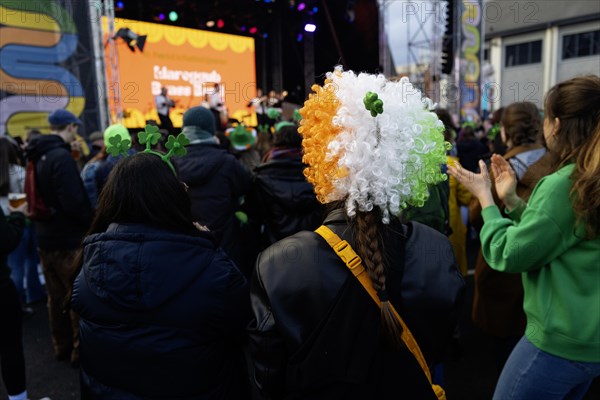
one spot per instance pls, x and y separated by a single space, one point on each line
189 62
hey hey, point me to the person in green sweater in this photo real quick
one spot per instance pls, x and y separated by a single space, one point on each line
554 241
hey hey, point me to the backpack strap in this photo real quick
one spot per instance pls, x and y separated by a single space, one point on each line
354 263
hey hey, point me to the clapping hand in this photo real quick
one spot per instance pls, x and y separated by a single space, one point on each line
478 184
505 181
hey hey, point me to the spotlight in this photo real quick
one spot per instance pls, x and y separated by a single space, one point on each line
131 38
265 35
299 37
119 5
310 27
253 30
160 17
301 6
173 16
243 28
210 24
220 23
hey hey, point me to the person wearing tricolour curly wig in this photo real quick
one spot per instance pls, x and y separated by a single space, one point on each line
554 241
372 147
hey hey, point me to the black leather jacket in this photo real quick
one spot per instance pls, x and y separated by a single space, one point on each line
316 332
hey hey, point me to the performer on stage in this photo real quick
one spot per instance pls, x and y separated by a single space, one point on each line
163 106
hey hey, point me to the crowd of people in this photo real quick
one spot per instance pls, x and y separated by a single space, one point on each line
320 257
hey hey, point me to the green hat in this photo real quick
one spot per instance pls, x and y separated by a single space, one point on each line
281 124
114 130
241 137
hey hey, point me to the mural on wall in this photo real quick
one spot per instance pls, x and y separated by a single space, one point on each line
38 41
470 56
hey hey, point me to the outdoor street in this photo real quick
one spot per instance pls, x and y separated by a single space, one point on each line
469 373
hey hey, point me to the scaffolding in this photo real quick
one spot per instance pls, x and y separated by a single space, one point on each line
112 82
424 45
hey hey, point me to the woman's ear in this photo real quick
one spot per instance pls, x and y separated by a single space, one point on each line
556 125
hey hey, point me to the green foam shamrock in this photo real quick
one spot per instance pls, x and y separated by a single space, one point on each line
373 103
117 146
149 136
176 145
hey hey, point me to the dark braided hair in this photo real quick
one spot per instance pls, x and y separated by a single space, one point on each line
368 242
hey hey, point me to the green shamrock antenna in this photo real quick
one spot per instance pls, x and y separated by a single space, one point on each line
118 146
373 103
150 137
175 145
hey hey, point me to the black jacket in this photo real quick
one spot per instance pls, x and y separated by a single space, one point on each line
316 332
11 229
283 200
163 316
63 192
216 183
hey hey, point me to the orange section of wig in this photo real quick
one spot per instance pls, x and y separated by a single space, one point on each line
318 130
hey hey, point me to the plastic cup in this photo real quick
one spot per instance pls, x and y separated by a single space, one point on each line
16 199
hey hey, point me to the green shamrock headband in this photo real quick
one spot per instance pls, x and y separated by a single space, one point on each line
150 136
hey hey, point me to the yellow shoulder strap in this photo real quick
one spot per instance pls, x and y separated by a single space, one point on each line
354 263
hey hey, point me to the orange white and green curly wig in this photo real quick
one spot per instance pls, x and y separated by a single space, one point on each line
372 142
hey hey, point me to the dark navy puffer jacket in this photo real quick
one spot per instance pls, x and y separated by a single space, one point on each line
162 316
216 181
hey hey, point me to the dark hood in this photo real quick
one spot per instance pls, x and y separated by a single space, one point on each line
201 163
43 144
129 267
283 179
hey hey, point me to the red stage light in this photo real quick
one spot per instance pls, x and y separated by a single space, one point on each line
220 23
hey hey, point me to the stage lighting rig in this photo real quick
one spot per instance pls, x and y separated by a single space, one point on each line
131 38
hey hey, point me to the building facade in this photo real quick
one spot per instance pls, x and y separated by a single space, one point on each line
532 45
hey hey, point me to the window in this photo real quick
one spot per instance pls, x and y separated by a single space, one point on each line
581 45
523 53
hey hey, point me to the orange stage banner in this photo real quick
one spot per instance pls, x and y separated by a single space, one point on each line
189 62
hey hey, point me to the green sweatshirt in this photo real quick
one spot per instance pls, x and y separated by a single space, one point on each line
561 270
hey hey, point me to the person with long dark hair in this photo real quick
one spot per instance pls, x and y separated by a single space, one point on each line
325 323
553 240
162 309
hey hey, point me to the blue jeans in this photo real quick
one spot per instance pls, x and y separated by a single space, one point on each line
23 262
531 373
